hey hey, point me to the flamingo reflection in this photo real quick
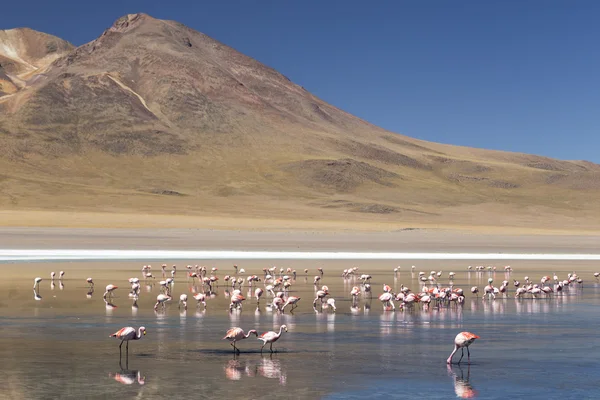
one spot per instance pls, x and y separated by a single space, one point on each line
128 377
267 368
271 369
462 387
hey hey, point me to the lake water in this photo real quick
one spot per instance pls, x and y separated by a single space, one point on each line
57 347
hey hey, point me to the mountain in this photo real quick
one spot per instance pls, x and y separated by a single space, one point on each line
154 117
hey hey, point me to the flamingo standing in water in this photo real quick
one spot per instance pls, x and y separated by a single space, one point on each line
200 298
271 337
236 334
126 334
387 300
36 283
90 281
109 290
320 296
52 275
293 300
257 293
462 340
161 299
61 274
183 300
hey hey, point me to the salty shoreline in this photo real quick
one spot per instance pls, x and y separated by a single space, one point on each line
406 241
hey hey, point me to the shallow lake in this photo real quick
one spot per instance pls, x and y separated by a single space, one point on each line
54 343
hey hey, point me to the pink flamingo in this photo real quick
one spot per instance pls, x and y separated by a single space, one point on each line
257 293
200 298
387 300
126 334
271 337
236 334
161 299
109 290
236 301
462 340
183 300
293 300
320 296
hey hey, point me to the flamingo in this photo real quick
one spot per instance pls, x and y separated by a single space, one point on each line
183 300
200 298
126 334
90 281
354 293
320 296
236 301
61 274
387 299
52 275
109 290
293 300
36 283
236 334
331 303
161 299
462 340
257 293
271 337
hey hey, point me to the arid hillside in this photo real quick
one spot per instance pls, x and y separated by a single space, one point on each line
155 118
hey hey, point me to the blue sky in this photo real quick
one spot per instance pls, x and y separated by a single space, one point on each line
518 75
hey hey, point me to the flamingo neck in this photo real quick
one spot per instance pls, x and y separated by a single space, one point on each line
139 334
280 330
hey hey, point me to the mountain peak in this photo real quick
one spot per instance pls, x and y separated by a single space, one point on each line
223 131
128 22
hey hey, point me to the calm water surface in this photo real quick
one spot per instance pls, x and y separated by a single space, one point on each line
57 347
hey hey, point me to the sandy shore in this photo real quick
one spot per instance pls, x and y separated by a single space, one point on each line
420 240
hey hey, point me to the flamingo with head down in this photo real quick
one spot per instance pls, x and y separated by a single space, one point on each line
462 340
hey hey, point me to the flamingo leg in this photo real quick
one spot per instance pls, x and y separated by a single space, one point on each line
271 347
468 355
263 346
462 354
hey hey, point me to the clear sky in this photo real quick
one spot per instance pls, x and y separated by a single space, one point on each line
520 75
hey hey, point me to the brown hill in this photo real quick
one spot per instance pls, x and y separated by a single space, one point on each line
153 117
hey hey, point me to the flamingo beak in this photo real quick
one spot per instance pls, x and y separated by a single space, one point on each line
144 333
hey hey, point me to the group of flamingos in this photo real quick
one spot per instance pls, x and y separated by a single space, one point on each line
281 280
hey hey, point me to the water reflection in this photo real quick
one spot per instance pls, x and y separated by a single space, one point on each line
36 295
462 386
128 377
267 367
109 307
